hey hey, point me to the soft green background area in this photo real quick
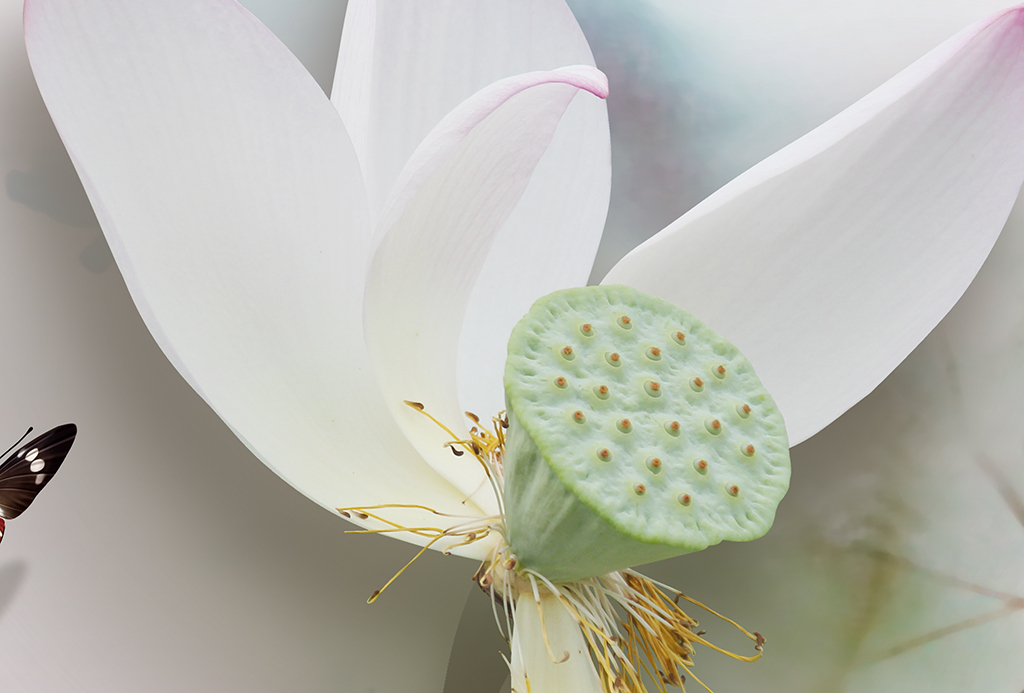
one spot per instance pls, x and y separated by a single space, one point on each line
166 558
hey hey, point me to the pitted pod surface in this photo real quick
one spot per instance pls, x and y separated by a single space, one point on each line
652 420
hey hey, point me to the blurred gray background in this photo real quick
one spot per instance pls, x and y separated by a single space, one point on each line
165 557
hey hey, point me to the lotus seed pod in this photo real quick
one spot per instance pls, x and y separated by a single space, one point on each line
670 447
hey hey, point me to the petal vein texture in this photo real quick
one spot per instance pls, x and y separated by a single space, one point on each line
403 66
232 199
453 201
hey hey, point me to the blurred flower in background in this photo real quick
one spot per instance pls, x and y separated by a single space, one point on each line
710 92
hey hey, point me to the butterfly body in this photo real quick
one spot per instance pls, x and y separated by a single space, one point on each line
29 468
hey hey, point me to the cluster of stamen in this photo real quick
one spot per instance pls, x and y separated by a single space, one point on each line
633 625
487 447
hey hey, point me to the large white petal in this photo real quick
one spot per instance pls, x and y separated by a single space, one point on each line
548 243
829 261
452 200
403 66
232 201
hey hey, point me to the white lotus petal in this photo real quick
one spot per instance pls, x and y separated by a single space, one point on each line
548 243
232 200
452 200
829 261
535 669
403 66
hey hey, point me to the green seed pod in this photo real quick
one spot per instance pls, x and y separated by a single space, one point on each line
670 447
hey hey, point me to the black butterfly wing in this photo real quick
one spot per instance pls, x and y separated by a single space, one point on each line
24 474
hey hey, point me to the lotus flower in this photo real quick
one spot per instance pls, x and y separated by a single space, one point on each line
256 239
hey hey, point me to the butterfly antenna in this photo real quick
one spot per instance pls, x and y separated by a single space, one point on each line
18 443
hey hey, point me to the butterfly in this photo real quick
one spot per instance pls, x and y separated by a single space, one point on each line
24 474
